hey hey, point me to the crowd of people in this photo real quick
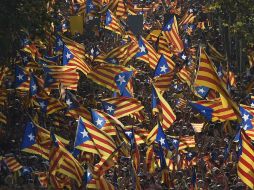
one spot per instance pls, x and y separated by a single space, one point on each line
209 161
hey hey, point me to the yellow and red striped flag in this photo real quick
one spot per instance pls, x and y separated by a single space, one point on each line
121 10
188 18
3 118
187 142
213 110
121 106
208 77
12 164
163 82
245 164
185 75
168 116
147 53
197 127
113 24
171 33
43 178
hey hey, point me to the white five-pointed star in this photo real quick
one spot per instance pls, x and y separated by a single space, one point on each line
68 102
110 108
20 77
99 121
92 50
59 43
121 79
203 111
201 90
113 61
162 141
246 126
219 73
42 104
84 133
90 6
108 19
31 137
128 133
169 26
142 49
68 55
245 117
190 154
25 59
34 87
97 53
175 141
252 104
163 68
184 57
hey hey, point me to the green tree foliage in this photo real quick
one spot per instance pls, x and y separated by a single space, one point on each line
238 16
17 19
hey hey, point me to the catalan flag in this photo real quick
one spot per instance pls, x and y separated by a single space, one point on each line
188 18
162 67
3 118
207 76
93 138
187 142
161 138
163 82
106 74
213 110
66 75
247 117
29 143
168 116
111 5
113 24
197 127
71 58
21 79
71 168
246 161
49 105
42 178
170 31
102 183
185 75
12 164
74 108
147 53
103 121
121 106
150 159
121 10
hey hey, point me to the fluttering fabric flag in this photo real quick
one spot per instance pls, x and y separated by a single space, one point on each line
71 58
106 74
162 67
147 53
12 164
213 110
103 143
121 106
245 164
3 118
171 33
208 77
168 116
113 24
197 127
